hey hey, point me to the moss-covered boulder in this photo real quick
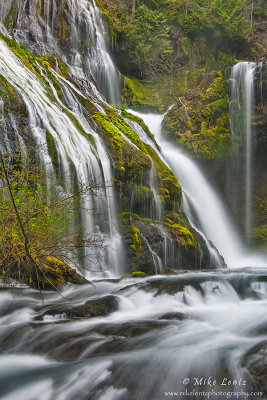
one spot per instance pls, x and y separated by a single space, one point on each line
45 273
136 274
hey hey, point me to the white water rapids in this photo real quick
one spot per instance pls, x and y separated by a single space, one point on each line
161 334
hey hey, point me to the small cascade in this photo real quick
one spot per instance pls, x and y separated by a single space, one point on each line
215 259
89 49
241 113
156 259
156 210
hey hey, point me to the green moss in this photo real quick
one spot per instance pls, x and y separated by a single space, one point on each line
139 121
115 139
77 124
129 162
62 33
123 127
136 274
169 271
88 105
54 272
58 89
52 149
50 273
201 123
62 67
129 215
12 102
170 189
139 94
126 156
74 120
143 190
10 19
26 56
135 237
260 234
180 230
40 8
37 65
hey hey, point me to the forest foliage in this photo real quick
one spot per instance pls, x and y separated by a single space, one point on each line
158 35
36 239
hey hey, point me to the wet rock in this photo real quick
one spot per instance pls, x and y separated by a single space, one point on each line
173 315
130 329
91 308
255 361
175 284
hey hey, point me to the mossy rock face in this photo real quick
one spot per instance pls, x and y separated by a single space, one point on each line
12 103
133 161
14 114
141 95
199 122
146 241
180 230
141 236
10 19
259 126
260 233
52 149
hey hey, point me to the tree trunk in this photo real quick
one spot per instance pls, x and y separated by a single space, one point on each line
26 240
133 6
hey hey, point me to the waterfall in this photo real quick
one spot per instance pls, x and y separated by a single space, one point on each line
241 112
84 48
213 219
95 59
75 151
87 57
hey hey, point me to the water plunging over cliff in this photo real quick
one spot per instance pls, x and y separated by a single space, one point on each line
78 158
82 34
246 171
212 216
241 112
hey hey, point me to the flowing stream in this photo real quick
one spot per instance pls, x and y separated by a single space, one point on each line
160 335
